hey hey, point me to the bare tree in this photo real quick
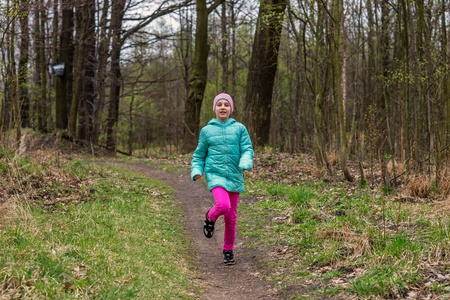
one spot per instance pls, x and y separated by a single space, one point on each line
262 69
23 65
117 13
338 61
40 62
197 80
103 54
87 99
63 84
319 91
81 29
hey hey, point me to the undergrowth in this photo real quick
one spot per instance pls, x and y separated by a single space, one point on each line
326 241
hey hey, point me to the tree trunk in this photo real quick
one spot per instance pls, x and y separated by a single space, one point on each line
23 65
338 51
224 50
385 62
406 96
79 63
445 89
262 70
86 112
197 80
319 143
41 70
12 65
117 14
63 89
101 73
233 49
6 109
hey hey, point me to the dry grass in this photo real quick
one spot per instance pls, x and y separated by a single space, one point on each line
419 186
444 185
359 243
334 158
399 167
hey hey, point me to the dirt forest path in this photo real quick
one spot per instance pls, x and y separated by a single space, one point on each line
241 281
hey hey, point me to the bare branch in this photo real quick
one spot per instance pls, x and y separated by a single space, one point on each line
155 15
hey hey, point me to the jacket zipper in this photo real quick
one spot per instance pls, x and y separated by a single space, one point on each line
225 149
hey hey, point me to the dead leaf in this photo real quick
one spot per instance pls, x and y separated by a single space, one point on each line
129 280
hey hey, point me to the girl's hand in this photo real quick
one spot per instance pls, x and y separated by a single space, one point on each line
196 177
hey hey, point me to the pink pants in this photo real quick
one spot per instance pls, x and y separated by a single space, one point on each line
226 206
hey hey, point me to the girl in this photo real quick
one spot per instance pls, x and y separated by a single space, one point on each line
224 151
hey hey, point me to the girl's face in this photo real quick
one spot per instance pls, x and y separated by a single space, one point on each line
222 110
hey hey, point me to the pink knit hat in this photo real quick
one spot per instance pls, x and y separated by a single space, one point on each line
224 96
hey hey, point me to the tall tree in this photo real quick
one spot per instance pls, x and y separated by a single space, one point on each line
87 97
81 29
385 63
23 64
197 80
6 107
224 48
319 91
103 55
262 69
445 90
117 13
12 65
338 61
41 70
405 97
64 83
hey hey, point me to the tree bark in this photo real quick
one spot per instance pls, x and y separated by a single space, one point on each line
445 86
262 70
103 55
405 104
23 65
117 14
338 51
12 65
79 63
41 73
86 112
63 89
197 80
385 62
319 143
224 49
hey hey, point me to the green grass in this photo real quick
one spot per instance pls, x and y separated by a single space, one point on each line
121 239
345 243
124 241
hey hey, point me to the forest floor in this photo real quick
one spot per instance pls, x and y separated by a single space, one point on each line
246 279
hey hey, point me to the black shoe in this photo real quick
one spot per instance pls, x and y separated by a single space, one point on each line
208 227
228 258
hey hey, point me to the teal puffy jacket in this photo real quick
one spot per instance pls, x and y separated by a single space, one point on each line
224 151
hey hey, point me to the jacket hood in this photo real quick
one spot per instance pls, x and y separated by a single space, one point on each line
217 122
